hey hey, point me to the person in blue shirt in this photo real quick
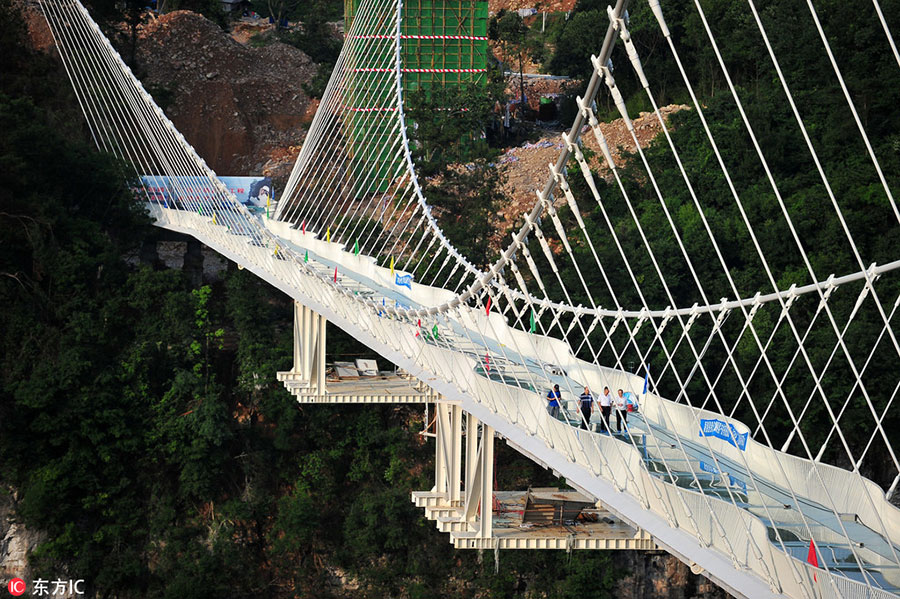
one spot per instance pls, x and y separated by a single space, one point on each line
553 397
587 408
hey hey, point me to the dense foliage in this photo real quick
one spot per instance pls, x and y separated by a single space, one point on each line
454 136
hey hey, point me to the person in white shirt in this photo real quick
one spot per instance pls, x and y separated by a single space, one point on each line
605 409
621 412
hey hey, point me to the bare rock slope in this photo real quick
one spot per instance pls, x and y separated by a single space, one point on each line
526 167
239 106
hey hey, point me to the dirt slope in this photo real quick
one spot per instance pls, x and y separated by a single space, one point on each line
239 106
527 166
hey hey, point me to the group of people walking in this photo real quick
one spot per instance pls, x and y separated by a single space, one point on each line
587 402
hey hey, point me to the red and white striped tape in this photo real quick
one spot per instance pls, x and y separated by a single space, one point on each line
479 38
374 109
390 109
387 70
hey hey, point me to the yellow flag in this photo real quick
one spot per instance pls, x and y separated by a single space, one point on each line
328 234
392 266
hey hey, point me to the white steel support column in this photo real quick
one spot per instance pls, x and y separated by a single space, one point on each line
456 457
448 451
309 348
487 485
440 456
319 357
471 452
479 490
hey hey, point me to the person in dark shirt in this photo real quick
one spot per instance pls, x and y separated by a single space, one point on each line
587 408
553 396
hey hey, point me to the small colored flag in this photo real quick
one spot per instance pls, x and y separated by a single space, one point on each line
304 227
335 274
328 234
487 309
306 256
487 362
200 210
214 218
392 266
418 324
434 331
646 379
533 323
812 558
356 248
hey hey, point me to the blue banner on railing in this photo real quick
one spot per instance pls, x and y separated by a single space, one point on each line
733 481
195 192
724 431
403 281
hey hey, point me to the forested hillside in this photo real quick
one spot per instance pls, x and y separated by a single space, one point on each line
142 430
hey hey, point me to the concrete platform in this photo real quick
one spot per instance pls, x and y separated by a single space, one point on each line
383 389
596 528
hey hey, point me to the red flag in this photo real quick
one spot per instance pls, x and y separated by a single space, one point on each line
487 362
418 324
335 274
304 227
812 558
488 309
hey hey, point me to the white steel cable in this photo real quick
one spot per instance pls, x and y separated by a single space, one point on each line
887 31
852 105
772 281
869 279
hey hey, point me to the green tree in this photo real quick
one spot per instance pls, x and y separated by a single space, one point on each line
453 157
508 28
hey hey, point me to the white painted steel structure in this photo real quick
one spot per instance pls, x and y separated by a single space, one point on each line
733 502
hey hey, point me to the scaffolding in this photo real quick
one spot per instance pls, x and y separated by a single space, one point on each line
443 43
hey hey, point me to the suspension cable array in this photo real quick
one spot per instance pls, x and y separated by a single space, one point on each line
772 382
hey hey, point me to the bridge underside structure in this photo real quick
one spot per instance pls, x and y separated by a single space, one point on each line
752 505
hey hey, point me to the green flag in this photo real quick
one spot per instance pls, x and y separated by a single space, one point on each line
356 248
434 331
306 256
533 322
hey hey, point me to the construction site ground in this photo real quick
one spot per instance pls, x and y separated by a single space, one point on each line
526 167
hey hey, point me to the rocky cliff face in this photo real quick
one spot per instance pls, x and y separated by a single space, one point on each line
662 576
16 541
239 106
